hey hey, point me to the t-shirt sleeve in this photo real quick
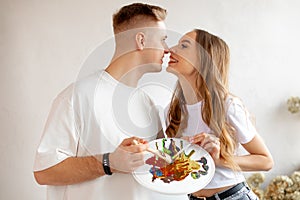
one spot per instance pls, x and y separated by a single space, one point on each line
59 139
240 119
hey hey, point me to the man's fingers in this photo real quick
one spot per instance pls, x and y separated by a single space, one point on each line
137 148
132 141
136 160
137 164
128 141
137 156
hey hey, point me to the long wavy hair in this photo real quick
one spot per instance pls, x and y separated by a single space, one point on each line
212 85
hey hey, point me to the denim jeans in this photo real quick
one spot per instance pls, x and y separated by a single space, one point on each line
245 193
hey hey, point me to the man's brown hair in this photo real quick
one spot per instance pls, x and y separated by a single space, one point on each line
128 16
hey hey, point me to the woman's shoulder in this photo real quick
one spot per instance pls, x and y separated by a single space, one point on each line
234 104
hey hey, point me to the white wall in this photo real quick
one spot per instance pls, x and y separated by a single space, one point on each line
44 43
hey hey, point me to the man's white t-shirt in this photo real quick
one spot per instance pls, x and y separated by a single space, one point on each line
93 116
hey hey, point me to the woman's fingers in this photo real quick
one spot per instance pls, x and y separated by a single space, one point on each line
212 145
209 142
198 138
209 146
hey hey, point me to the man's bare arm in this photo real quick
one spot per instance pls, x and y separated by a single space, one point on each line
72 170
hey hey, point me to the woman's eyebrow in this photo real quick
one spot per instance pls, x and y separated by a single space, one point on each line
187 41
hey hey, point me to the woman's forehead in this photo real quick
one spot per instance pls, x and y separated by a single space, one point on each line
189 37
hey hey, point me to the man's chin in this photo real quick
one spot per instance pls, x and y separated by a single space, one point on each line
154 68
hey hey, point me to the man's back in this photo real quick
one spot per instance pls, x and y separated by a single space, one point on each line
97 132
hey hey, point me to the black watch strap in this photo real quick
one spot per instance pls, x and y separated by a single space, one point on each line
105 164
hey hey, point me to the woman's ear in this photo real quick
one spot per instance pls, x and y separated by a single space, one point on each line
140 40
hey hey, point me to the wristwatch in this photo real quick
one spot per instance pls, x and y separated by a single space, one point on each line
105 164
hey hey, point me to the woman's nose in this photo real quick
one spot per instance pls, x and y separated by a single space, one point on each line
172 50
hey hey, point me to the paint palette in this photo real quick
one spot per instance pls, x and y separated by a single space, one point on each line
189 172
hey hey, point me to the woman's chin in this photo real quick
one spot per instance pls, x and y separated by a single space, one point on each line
171 70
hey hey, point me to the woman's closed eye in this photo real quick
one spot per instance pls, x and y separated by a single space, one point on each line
183 46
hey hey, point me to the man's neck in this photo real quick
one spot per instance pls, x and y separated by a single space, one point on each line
126 70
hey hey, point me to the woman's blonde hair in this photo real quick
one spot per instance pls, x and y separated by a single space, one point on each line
212 84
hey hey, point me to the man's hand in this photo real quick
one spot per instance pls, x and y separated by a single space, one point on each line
128 156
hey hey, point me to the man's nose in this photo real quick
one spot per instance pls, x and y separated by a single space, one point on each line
166 48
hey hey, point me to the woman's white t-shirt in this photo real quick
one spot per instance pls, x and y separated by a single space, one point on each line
239 118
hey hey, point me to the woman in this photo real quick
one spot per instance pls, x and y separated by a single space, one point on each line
203 111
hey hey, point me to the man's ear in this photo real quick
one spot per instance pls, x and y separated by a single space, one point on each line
140 40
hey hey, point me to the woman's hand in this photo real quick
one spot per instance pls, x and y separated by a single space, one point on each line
210 143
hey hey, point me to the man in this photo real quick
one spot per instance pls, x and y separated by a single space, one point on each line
87 150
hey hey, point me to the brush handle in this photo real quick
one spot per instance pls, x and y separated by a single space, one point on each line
166 158
179 152
158 153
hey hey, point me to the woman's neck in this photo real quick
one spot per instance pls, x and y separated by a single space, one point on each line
189 91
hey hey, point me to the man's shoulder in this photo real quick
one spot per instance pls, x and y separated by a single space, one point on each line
87 83
79 88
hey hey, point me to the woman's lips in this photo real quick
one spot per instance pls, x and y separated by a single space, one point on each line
173 60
